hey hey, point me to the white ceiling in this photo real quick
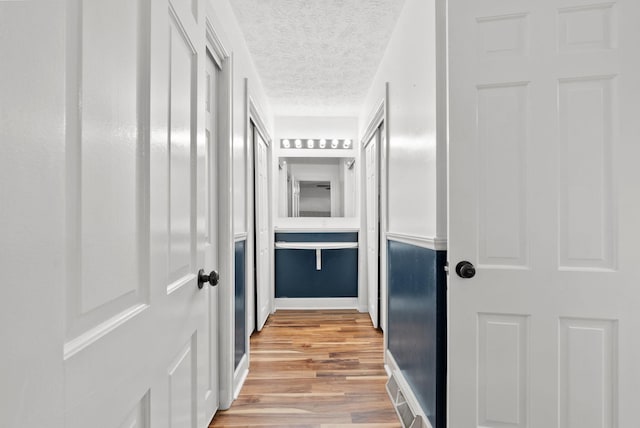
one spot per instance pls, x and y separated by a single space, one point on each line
317 57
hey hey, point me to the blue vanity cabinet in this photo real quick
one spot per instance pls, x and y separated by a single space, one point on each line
322 265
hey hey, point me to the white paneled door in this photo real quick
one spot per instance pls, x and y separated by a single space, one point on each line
262 210
372 192
125 338
544 99
139 348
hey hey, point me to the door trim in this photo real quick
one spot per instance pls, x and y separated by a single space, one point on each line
226 296
376 120
215 45
252 114
380 117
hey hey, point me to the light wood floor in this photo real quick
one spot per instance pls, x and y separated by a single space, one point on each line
314 369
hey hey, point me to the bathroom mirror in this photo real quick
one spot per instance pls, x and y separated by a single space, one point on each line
316 187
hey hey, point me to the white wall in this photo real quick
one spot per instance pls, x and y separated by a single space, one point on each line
225 23
315 127
417 174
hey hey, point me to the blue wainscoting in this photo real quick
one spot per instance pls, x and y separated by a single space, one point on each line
296 274
417 323
240 305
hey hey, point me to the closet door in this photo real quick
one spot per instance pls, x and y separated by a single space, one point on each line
262 210
372 189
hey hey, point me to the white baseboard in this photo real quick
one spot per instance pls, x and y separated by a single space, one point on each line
317 303
392 368
240 376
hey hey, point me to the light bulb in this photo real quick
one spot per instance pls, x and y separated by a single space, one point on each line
286 144
310 144
298 144
322 143
346 144
334 144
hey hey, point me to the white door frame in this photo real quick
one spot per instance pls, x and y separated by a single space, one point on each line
262 285
226 297
255 116
378 118
252 114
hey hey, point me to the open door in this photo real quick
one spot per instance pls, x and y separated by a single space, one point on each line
262 222
118 233
138 347
544 210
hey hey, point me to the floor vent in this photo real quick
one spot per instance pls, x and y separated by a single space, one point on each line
406 414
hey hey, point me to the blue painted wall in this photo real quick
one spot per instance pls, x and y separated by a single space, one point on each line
240 305
417 323
296 274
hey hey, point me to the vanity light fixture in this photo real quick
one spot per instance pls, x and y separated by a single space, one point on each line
313 143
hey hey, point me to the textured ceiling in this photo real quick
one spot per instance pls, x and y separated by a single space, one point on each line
317 57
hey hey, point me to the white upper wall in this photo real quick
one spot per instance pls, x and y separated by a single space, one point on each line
417 191
225 24
316 127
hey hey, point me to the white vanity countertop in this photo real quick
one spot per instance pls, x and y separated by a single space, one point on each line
316 245
316 230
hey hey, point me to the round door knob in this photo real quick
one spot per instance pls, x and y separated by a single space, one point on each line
212 278
465 269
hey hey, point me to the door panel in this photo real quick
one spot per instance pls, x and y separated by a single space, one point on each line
109 97
586 229
181 149
502 227
543 196
103 171
182 380
108 287
504 380
138 418
599 389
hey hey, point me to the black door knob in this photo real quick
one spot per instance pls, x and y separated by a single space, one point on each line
212 278
465 269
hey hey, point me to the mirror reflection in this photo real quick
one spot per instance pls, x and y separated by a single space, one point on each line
313 199
317 187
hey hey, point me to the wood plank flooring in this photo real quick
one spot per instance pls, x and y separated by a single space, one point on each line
314 369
